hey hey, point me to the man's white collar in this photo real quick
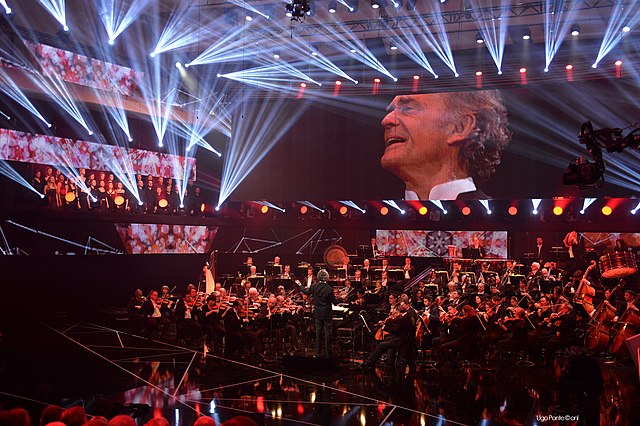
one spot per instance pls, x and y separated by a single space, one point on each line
445 191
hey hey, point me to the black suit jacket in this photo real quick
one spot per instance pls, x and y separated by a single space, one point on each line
323 297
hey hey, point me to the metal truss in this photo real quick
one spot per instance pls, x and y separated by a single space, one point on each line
449 17
252 245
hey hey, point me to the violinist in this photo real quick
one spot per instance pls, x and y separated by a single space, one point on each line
167 301
212 323
153 317
134 308
562 325
237 338
360 304
464 329
287 311
393 302
188 328
347 292
515 336
400 330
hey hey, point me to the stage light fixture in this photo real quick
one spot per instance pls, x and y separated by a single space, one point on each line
523 70
526 34
303 85
375 4
276 55
635 209
479 38
586 203
416 77
535 202
410 5
264 209
569 67
618 63
466 210
575 30
343 210
393 45
338 83
376 80
606 210
423 210
249 17
332 6
304 209
626 29
513 210
478 73
485 204
558 210
384 211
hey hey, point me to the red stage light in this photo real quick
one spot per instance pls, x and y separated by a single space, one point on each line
416 77
343 210
303 85
304 209
569 67
264 209
376 80
478 73
384 211
466 210
338 83
618 63
523 70
513 210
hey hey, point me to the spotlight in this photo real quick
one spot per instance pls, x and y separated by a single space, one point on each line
353 5
42 196
626 29
276 55
606 210
264 209
526 34
569 67
423 210
332 6
303 85
249 17
479 38
618 63
575 30
392 45
546 69
416 77
513 210
478 73
466 210
384 211
375 4
557 210
178 64
536 203
304 209
523 70
111 42
152 54
65 28
343 210
635 209
352 50
376 80
338 83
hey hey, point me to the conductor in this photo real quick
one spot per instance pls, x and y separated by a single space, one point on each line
323 297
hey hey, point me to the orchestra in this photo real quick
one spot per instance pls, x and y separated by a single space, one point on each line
465 308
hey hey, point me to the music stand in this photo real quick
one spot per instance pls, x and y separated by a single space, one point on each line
471 253
547 285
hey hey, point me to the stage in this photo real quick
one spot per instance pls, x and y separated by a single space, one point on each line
109 370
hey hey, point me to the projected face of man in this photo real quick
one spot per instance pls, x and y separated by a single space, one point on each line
422 141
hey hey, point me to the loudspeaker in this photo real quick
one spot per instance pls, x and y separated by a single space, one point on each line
308 363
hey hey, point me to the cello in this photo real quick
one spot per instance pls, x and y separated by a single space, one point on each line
626 327
597 338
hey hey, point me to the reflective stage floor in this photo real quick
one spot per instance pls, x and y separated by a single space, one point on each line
110 371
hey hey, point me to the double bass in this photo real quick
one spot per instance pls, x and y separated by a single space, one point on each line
625 327
599 334
586 292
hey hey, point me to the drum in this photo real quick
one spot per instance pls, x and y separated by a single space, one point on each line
626 326
333 256
163 203
618 265
70 197
119 200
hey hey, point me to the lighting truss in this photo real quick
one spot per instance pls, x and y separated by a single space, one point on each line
620 17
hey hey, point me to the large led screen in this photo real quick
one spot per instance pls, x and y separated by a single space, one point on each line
149 238
420 243
509 144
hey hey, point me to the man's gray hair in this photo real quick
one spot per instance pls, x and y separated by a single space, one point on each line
323 275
